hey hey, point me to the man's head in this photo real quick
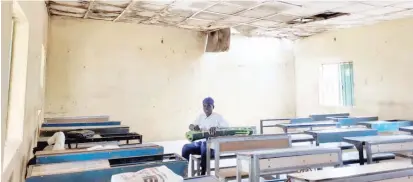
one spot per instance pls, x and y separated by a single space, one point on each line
208 105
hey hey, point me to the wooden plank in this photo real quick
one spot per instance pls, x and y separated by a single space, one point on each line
297 161
338 173
68 167
68 151
77 119
253 145
230 173
55 129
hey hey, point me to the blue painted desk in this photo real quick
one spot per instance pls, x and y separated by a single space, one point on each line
102 170
102 123
274 122
71 155
337 135
386 126
350 121
324 117
49 131
42 141
286 126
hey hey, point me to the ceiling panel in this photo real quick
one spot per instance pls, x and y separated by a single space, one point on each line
249 17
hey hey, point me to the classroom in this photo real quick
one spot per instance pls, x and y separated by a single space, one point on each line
206 90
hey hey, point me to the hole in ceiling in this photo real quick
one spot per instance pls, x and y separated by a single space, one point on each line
317 17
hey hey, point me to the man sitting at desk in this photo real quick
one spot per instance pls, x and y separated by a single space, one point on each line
207 121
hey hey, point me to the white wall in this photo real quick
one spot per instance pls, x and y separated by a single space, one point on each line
383 60
156 87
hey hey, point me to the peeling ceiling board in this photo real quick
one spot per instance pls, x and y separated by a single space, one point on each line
290 19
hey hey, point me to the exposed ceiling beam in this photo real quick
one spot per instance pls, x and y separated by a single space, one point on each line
88 8
124 10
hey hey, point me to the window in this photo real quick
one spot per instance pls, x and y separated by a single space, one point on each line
17 84
337 84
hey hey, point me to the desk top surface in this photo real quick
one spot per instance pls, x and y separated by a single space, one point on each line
202 179
407 128
339 130
65 128
68 167
292 151
345 172
322 123
379 139
84 150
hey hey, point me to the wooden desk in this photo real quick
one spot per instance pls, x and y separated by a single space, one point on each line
286 126
281 161
380 144
49 131
407 129
336 135
398 171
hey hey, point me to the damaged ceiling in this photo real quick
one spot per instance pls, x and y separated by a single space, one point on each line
284 19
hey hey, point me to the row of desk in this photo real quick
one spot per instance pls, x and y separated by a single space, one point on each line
80 163
256 155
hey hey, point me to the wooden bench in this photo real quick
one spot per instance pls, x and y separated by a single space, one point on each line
234 144
49 131
325 117
76 119
286 160
383 172
71 155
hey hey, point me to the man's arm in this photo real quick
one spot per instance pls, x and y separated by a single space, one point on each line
195 125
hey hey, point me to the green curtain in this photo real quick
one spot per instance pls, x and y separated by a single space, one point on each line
347 84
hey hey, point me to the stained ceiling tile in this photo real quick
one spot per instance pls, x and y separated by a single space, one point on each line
194 5
238 19
225 8
119 3
159 2
245 28
301 11
354 8
209 16
264 23
152 7
173 18
246 4
403 4
180 12
379 3
281 18
67 9
62 13
381 11
325 5
80 4
198 22
104 7
266 9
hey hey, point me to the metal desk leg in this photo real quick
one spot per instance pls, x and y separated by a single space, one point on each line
369 154
359 148
285 130
208 158
261 127
198 168
192 166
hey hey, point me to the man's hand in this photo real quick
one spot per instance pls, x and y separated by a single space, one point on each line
193 127
213 131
